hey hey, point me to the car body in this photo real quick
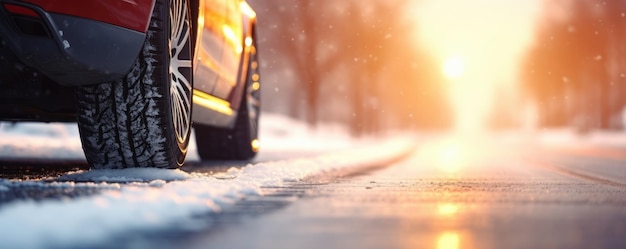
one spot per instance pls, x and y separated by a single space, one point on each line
59 57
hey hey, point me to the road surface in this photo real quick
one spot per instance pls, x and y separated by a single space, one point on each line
445 192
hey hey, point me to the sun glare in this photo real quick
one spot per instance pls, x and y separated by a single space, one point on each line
453 68
492 35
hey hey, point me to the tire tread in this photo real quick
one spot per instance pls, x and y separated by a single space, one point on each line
124 123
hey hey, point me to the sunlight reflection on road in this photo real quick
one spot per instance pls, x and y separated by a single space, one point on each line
455 161
447 209
448 240
454 154
453 168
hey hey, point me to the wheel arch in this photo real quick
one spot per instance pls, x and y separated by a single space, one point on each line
194 6
249 27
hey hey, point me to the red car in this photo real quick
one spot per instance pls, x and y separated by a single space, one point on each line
130 73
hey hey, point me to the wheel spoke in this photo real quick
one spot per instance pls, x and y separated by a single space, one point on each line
180 113
181 123
182 35
176 18
182 93
180 45
181 63
180 58
180 26
181 77
181 102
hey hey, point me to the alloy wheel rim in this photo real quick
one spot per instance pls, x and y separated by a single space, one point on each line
180 70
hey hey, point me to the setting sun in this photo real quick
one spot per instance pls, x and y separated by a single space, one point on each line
453 68
493 38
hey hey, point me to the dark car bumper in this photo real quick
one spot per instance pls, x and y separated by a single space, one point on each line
69 50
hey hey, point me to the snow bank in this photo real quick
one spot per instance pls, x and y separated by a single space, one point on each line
570 137
153 199
61 140
40 140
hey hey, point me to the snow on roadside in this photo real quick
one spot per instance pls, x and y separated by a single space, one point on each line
569 137
40 140
157 199
61 140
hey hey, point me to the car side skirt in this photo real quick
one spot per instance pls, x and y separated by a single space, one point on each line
210 110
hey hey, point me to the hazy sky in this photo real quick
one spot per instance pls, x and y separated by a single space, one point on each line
488 37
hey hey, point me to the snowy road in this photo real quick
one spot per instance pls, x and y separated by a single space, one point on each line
457 193
48 199
323 190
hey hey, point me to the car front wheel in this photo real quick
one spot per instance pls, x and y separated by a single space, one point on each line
144 119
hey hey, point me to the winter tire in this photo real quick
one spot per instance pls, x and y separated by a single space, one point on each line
144 119
240 142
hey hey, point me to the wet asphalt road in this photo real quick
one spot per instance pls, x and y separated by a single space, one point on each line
491 196
447 194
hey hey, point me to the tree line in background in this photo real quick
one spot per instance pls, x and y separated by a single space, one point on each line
352 62
576 71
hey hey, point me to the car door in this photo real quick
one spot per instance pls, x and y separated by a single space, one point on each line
232 31
210 44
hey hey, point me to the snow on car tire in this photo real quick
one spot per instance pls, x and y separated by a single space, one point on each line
144 119
240 142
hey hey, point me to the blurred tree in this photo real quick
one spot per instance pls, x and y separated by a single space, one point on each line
373 27
300 33
351 57
390 74
575 68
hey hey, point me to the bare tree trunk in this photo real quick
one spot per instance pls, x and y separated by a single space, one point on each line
312 94
358 116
